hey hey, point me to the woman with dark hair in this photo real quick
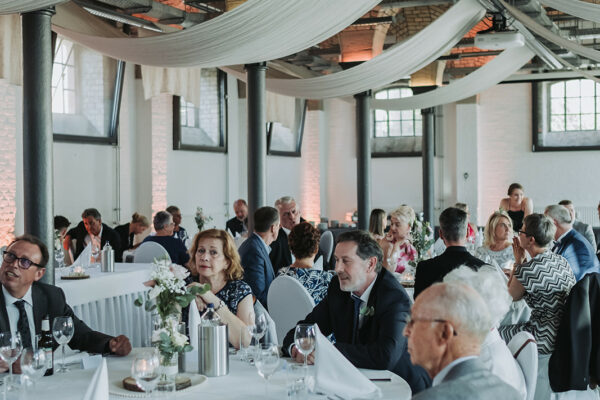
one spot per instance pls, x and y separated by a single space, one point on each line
304 244
127 232
377 223
516 205
215 260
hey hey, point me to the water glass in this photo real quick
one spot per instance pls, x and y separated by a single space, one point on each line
146 370
304 339
33 365
245 344
295 380
267 363
63 330
10 349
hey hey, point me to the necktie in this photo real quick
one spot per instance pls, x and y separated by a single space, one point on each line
23 324
357 303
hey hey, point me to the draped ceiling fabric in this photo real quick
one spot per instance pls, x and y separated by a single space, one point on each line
399 61
554 38
256 31
11 49
184 82
281 109
492 73
581 9
23 6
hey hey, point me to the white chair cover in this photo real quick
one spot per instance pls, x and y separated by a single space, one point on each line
289 302
326 245
148 251
271 334
523 347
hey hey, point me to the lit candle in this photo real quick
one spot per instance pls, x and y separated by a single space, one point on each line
77 270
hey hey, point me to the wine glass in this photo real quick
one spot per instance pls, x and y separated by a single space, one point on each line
10 349
95 253
259 328
33 365
267 362
63 330
304 339
145 370
59 254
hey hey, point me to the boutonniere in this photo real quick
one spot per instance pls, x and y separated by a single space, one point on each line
367 311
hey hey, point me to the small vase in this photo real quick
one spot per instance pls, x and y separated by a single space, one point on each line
169 366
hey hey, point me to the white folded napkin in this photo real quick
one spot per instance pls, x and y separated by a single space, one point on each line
193 322
336 376
85 256
98 388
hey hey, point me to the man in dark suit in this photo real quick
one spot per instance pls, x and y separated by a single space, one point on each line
254 252
448 324
453 232
289 215
91 229
581 227
571 244
25 301
365 308
239 223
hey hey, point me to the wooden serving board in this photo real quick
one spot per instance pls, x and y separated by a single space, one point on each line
74 277
181 382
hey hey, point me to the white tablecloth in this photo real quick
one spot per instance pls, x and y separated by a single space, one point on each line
105 300
243 382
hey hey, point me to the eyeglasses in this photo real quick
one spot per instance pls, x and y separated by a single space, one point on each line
410 321
24 263
524 233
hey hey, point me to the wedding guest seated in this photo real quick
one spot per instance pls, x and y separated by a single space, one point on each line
179 231
571 244
238 225
377 223
304 244
255 252
448 324
92 230
163 225
581 227
61 224
471 229
127 232
371 338
453 231
516 205
215 261
494 355
289 216
497 244
544 282
26 300
396 246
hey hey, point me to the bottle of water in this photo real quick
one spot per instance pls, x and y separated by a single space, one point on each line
210 316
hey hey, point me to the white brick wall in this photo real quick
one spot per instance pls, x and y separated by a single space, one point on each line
162 127
8 161
310 197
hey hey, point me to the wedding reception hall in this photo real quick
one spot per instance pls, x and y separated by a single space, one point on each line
338 199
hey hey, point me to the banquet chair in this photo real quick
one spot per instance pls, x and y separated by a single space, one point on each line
271 333
289 302
148 251
326 246
523 347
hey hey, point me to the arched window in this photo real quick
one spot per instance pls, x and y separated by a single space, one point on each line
396 123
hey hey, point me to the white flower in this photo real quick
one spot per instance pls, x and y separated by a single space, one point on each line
154 292
156 334
179 272
179 340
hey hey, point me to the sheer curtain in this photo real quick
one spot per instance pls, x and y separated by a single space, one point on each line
258 30
492 73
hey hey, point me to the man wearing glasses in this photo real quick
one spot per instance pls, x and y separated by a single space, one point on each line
25 301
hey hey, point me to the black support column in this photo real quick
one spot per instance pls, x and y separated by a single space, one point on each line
363 157
427 157
257 138
37 130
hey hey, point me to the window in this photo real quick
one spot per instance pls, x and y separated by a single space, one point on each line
396 123
284 141
566 115
202 127
86 86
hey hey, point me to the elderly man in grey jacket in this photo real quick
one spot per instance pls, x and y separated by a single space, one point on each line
449 321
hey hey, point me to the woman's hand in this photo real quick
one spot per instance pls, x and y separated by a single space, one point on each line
518 251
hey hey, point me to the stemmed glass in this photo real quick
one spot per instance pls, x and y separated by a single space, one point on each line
95 253
304 339
267 362
258 329
33 364
63 330
145 370
10 349
59 254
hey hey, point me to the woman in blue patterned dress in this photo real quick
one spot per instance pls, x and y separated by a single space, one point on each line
304 244
215 260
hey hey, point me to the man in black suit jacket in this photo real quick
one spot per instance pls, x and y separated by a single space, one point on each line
453 231
89 229
25 299
366 309
239 223
289 215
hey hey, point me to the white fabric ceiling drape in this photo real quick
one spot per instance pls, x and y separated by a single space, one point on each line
554 38
11 49
492 73
258 30
581 9
184 82
397 62
22 6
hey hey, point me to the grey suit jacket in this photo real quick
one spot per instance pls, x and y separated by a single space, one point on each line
469 380
586 231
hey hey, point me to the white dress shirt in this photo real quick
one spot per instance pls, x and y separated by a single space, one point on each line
13 312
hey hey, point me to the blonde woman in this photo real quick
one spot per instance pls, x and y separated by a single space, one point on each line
497 244
377 223
397 248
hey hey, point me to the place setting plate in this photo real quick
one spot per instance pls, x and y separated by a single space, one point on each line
128 388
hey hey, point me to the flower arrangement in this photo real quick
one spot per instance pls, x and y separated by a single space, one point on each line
422 238
367 311
170 341
201 219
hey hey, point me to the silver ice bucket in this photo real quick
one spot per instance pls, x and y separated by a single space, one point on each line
213 350
107 259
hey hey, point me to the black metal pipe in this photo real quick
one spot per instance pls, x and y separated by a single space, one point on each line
37 130
363 158
257 138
